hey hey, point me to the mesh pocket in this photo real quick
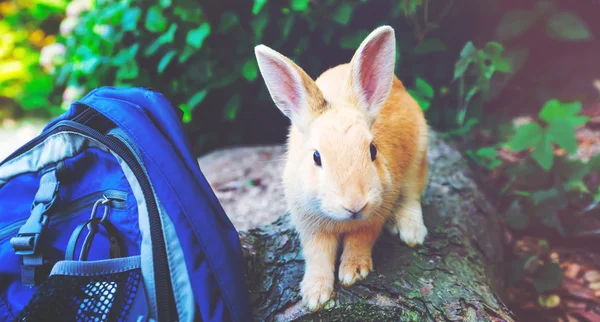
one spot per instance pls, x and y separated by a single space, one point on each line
103 297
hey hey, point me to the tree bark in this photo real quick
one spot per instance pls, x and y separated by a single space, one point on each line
455 276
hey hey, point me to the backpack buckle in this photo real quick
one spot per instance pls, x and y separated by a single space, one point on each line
26 241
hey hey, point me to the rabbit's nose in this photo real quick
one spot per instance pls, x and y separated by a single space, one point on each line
356 210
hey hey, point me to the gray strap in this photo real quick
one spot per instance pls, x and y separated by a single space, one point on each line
30 263
47 189
26 241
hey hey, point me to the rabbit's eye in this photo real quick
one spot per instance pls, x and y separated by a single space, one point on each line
373 151
317 158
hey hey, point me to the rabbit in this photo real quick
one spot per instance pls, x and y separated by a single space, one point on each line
355 160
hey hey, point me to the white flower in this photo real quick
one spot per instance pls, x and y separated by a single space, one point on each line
75 7
67 25
72 93
52 54
102 30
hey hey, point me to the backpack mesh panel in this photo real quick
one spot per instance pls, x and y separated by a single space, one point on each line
83 298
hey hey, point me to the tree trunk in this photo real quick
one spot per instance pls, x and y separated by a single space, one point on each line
455 276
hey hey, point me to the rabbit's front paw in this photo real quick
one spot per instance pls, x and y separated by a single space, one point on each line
316 291
353 269
411 232
409 224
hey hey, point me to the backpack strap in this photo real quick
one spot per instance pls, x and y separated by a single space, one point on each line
26 242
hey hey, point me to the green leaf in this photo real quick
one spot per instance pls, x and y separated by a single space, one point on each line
493 48
228 20
567 26
514 23
286 27
543 152
125 55
423 102
543 195
195 37
555 110
128 71
502 64
527 136
300 5
187 113
155 21
165 3
466 58
413 294
89 64
250 69
188 13
188 51
515 217
562 133
196 99
258 24
342 13
487 152
258 5
231 107
164 39
164 62
430 45
549 277
130 19
424 87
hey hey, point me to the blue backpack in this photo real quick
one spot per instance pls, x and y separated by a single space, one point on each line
105 216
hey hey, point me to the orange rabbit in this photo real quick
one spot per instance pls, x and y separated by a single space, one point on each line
356 159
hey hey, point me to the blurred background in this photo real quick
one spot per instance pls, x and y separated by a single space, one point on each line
514 84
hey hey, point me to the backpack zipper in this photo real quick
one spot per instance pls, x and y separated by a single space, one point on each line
165 298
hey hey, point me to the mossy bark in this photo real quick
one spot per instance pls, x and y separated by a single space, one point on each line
454 276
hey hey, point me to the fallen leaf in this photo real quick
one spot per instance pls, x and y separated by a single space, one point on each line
426 290
592 276
597 84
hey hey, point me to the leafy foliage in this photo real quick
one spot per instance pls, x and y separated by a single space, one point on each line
26 27
423 93
558 127
545 181
201 55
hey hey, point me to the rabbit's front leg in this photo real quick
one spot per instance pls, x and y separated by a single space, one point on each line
356 262
408 222
319 250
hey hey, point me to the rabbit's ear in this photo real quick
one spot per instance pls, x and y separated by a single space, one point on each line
372 69
292 90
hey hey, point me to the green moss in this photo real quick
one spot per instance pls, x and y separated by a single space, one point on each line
410 316
360 313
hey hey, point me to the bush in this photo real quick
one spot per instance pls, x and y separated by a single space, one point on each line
25 85
201 54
